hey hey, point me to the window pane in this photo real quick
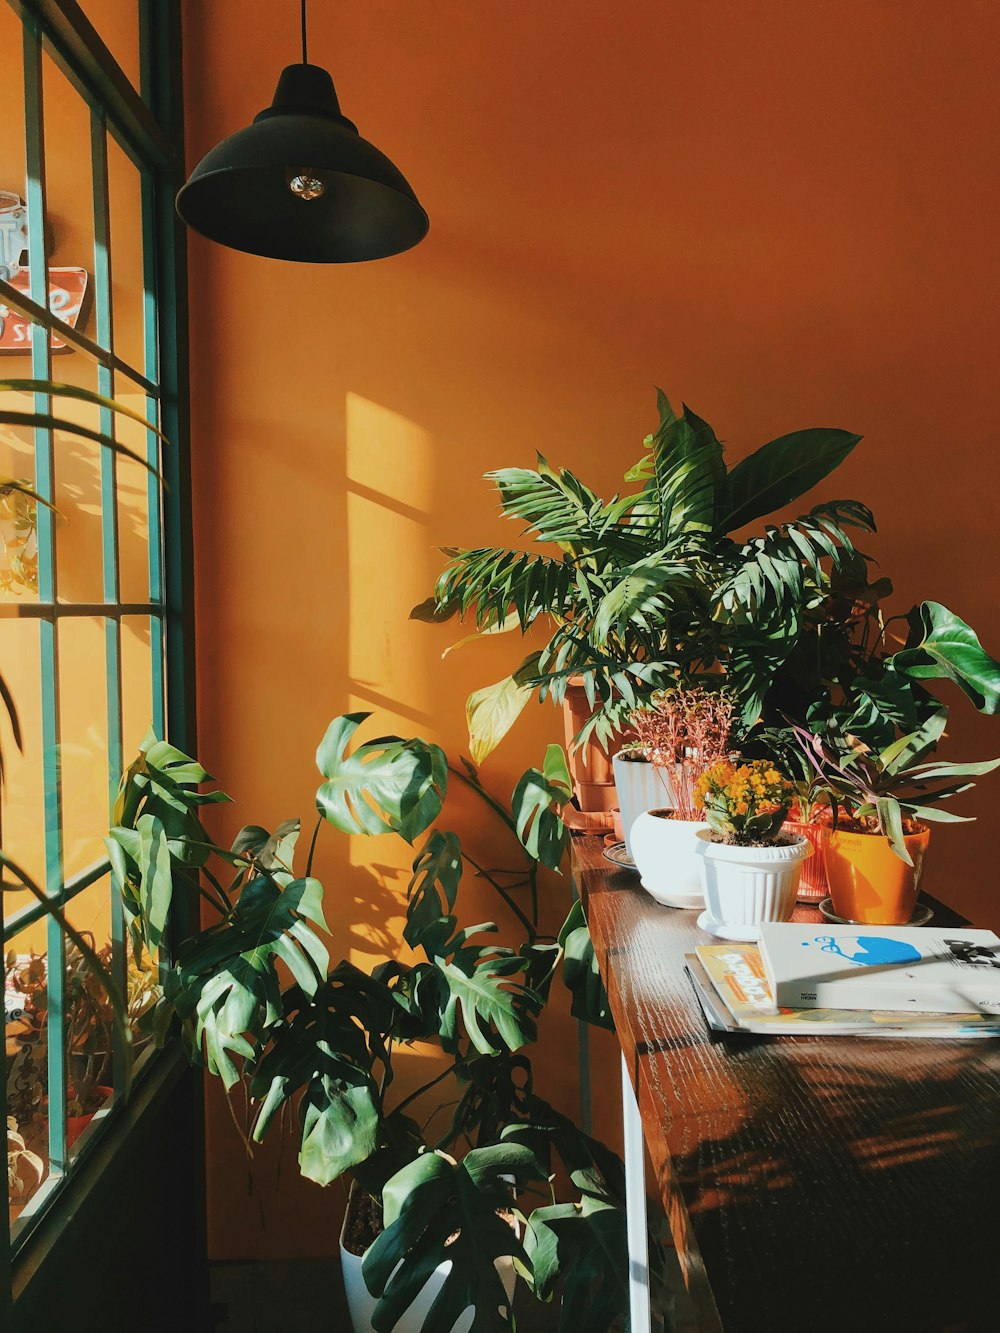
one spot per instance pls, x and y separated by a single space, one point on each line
26 997
127 270
12 166
79 529
134 499
89 1015
138 713
83 741
69 203
21 801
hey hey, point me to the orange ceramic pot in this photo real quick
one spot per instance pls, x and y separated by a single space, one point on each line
868 882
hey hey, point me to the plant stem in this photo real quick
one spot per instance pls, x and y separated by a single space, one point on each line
504 895
312 846
424 1088
495 806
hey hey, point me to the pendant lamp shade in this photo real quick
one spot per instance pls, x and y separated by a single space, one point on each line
300 183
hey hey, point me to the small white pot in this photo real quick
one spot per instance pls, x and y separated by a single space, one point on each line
361 1303
666 855
747 885
639 788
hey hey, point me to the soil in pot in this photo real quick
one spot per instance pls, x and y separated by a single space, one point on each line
363 1224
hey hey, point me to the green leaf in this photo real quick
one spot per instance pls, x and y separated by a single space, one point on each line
386 785
320 1051
584 1244
581 972
496 1011
780 471
890 821
493 710
537 802
436 1209
942 646
437 871
156 879
688 475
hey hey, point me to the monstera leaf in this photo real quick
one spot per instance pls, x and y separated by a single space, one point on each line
437 871
436 1209
943 646
581 973
537 802
584 1244
225 984
479 986
321 1050
387 785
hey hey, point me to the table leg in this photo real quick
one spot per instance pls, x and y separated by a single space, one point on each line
635 1209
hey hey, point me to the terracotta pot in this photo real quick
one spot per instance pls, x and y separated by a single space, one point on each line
813 883
869 883
76 1124
593 778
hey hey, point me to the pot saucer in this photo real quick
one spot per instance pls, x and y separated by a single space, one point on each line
922 913
685 901
744 934
615 853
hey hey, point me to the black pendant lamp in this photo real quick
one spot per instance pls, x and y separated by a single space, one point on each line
300 182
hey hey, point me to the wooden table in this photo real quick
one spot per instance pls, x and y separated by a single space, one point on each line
810 1183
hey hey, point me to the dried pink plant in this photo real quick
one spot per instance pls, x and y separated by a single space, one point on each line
682 733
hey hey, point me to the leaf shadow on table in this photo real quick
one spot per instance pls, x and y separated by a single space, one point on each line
868 1178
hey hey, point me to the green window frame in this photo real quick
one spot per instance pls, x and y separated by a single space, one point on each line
147 125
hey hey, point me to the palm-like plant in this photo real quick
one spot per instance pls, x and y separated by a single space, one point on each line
652 588
881 791
655 588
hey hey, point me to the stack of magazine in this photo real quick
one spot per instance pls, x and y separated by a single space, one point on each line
864 981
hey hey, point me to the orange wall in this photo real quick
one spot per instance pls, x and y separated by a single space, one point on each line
785 213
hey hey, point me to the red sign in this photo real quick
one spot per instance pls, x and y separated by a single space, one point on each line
67 290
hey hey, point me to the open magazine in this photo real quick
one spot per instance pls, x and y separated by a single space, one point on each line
732 987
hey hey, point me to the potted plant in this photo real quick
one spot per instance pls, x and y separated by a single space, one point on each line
880 805
651 588
25 1170
751 866
315 1046
681 734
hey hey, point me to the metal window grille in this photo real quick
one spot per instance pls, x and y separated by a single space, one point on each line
143 124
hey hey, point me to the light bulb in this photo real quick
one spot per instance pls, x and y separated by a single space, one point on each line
306 185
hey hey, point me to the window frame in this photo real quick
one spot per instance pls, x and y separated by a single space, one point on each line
148 125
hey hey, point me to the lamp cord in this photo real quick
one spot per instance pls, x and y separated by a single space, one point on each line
305 49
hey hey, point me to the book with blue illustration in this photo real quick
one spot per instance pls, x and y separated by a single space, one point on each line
925 969
732 989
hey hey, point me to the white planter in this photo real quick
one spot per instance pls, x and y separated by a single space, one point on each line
361 1303
639 788
666 855
747 885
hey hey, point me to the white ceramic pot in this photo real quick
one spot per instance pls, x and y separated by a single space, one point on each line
747 885
666 855
361 1303
640 788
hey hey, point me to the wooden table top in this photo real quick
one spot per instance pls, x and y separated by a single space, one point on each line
811 1183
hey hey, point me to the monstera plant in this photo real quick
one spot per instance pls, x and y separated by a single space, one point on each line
661 585
259 1005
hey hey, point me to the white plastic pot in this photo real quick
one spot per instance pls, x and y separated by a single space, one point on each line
639 788
666 855
361 1303
747 885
